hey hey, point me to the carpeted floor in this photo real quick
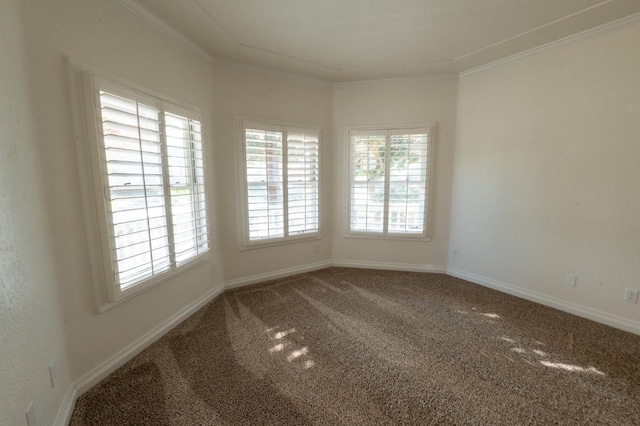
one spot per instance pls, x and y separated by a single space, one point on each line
361 347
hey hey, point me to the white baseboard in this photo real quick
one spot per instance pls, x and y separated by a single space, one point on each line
253 279
390 266
66 409
110 365
114 362
563 305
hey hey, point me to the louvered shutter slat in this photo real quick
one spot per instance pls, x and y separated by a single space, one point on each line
407 188
133 167
303 185
263 166
189 215
368 156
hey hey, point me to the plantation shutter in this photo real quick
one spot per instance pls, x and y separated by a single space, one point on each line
389 181
408 171
134 187
186 183
265 184
151 167
302 181
368 189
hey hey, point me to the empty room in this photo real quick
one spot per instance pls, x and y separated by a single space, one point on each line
355 212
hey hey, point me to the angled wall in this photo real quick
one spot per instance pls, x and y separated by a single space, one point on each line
241 91
547 165
31 328
107 36
395 102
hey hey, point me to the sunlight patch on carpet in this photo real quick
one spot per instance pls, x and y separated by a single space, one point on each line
281 334
297 354
570 367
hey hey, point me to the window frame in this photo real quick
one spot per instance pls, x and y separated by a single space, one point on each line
93 81
242 123
428 128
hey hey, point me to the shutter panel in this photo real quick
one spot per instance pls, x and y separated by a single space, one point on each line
408 173
135 191
302 182
265 186
368 157
186 184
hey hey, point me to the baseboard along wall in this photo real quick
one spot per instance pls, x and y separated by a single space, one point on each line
114 362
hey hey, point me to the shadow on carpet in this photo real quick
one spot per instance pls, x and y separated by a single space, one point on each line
361 347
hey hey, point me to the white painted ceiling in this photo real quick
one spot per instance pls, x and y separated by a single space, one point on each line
348 40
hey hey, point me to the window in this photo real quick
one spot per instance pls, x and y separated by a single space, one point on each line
389 181
281 176
148 169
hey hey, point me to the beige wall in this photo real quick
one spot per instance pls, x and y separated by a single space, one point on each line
547 168
411 100
535 176
243 91
31 330
107 36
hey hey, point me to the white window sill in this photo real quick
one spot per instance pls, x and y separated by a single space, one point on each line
395 237
280 242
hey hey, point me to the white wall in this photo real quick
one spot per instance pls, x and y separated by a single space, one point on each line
107 36
244 91
31 331
547 167
544 184
411 100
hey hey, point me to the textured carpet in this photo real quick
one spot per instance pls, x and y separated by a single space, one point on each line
350 346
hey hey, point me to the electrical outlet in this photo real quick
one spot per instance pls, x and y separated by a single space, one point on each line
214 269
53 373
570 280
317 248
631 295
31 415
456 253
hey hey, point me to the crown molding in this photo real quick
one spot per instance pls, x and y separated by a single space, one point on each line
163 27
613 25
394 80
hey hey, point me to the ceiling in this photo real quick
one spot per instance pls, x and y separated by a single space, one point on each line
350 40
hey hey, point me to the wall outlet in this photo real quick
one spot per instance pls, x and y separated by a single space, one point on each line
31 415
53 373
317 248
456 253
570 280
631 295
214 269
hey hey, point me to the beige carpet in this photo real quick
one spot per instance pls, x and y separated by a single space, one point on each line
361 347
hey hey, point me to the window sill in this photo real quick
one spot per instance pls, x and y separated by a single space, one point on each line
274 243
359 236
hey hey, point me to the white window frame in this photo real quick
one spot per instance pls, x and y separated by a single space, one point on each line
243 123
388 130
85 81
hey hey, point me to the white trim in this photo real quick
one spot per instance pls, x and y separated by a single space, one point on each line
389 266
107 367
160 25
430 128
610 26
66 408
392 80
241 124
84 80
562 305
81 134
253 279
272 73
